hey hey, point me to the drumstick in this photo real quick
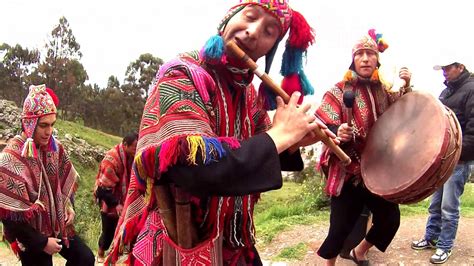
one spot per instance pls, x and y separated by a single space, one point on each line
237 52
348 99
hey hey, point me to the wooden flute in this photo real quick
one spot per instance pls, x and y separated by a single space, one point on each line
232 47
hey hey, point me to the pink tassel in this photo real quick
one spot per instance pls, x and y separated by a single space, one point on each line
232 142
292 83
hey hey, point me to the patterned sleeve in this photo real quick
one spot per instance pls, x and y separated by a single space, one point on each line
330 109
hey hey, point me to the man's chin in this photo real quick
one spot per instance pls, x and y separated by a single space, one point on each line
43 144
366 73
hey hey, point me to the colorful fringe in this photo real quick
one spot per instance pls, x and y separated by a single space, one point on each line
377 37
185 150
29 149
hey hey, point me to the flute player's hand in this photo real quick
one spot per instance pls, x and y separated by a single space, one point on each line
311 138
291 123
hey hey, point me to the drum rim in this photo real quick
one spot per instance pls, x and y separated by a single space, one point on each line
427 166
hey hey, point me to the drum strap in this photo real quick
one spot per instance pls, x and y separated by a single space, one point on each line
372 102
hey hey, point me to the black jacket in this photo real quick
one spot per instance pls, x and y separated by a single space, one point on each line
459 97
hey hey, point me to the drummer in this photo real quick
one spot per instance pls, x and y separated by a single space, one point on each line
345 186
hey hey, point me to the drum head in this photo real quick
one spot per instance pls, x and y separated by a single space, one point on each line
403 144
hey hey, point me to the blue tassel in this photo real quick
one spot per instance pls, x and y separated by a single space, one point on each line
53 146
268 97
213 50
305 84
292 61
214 150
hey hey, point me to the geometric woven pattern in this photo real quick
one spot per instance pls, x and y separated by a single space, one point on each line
190 103
33 193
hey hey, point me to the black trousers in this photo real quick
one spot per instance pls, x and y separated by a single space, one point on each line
77 254
108 229
346 209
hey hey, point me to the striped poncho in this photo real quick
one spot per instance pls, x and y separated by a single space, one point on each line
372 99
37 190
114 174
192 115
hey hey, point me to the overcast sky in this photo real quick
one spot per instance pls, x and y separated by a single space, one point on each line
114 33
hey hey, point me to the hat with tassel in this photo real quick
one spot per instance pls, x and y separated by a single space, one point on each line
301 35
373 41
40 101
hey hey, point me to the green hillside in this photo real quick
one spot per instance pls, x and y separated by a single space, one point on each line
92 136
87 221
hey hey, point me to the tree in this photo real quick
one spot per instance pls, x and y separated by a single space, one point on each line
62 69
113 82
139 76
73 77
141 73
17 71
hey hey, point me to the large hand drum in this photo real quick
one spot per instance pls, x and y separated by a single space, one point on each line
412 149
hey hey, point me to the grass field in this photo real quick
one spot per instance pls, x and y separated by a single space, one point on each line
279 210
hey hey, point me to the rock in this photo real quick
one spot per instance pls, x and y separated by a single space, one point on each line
68 137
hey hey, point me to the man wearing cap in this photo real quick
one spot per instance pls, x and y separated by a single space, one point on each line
204 131
37 185
344 185
442 223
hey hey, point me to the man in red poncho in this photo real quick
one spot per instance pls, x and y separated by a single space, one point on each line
37 185
204 131
344 184
111 187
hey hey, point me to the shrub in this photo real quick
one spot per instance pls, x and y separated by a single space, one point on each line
313 189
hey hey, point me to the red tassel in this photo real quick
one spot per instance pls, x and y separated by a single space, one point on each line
292 83
301 34
169 154
53 96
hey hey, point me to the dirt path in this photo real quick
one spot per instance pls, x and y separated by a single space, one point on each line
399 252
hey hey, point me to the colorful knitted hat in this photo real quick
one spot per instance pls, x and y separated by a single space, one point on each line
301 35
372 41
40 101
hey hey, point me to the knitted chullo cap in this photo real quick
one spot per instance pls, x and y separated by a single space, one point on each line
301 35
40 101
373 41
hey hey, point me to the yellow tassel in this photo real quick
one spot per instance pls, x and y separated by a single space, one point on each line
194 143
149 190
29 149
139 166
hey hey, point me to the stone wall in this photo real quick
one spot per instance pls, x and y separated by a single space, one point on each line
78 148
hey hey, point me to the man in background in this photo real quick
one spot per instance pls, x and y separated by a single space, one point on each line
442 223
111 188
